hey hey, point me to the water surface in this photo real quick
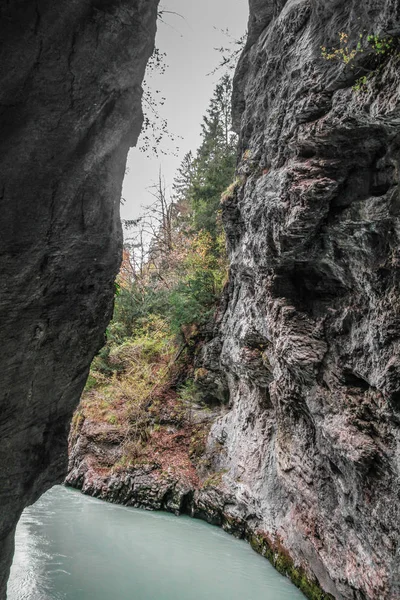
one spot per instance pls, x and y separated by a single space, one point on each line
73 547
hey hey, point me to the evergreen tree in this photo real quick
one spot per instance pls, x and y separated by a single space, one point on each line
177 249
215 161
184 178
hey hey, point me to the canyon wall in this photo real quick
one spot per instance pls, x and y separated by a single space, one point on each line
70 108
304 458
310 340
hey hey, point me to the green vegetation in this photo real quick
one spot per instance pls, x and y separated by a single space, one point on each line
377 48
274 551
347 52
229 193
214 480
344 53
381 46
175 263
214 165
173 272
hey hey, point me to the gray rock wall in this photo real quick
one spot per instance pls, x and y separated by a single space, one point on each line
70 108
310 338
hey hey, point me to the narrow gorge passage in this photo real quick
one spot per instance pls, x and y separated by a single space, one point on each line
281 421
250 373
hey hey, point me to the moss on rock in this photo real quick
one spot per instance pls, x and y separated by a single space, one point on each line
281 560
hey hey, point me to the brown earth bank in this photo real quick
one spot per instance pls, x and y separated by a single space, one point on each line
304 458
167 469
70 108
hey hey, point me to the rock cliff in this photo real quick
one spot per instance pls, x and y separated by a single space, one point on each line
310 338
305 456
70 108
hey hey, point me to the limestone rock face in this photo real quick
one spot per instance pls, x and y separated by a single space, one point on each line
70 108
311 336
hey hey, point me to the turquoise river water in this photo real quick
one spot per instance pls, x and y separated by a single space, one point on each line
72 547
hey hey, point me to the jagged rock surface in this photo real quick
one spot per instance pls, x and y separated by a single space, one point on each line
311 336
306 457
70 108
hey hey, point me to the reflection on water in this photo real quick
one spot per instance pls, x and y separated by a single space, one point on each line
72 547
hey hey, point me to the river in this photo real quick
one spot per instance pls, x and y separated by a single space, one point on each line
73 547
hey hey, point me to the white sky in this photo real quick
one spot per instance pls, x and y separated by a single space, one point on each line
189 44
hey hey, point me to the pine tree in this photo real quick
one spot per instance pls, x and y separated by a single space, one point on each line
215 160
184 178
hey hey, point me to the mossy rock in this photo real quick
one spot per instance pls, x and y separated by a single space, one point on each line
285 565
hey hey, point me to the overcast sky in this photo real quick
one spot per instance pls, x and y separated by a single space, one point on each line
189 44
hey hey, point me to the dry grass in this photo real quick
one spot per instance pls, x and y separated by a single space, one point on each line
140 404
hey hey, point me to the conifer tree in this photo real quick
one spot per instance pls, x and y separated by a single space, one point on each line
184 178
202 179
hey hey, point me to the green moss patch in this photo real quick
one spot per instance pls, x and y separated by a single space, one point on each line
280 559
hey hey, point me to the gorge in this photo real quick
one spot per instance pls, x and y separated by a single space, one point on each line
300 372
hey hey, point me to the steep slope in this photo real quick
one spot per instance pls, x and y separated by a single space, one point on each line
70 108
310 338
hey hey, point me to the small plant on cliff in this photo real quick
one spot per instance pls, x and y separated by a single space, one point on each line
214 480
381 45
347 52
188 391
230 191
377 47
343 53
